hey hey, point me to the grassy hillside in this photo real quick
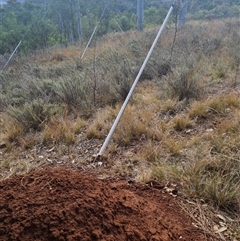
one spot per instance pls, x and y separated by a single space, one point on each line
181 125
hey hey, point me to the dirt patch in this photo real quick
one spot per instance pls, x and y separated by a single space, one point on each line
60 204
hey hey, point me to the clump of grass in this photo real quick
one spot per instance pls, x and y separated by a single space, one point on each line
198 109
174 146
130 128
31 115
165 171
112 148
229 125
157 131
221 103
217 180
144 175
232 100
181 122
78 125
58 57
219 72
73 92
13 131
183 84
6 164
102 122
227 144
217 105
150 152
27 140
169 106
62 130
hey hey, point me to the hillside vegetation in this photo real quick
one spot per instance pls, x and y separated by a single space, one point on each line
181 125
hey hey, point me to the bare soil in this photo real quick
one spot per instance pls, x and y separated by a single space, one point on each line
65 204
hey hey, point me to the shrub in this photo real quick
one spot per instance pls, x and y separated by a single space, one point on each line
31 115
183 84
118 71
74 93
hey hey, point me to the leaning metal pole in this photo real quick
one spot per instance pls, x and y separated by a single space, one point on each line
110 134
94 31
12 55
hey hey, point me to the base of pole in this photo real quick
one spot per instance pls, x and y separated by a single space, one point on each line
99 158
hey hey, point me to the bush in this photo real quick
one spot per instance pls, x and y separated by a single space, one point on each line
31 115
74 92
182 84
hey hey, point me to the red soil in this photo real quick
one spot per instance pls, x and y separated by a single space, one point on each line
60 204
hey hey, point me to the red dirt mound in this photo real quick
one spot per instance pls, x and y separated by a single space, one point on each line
59 204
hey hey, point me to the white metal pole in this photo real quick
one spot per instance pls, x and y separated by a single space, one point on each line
94 31
12 55
89 41
109 136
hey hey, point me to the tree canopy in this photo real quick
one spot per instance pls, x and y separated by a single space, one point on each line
43 23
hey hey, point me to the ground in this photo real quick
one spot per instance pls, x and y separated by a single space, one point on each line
65 204
60 192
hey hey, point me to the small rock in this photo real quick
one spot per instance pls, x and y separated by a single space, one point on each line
209 130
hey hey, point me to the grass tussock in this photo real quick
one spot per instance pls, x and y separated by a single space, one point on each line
182 122
210 169
13 132
131 127
102 122
59 130
151 152
198 110
222 104
174 146
169 106
31 116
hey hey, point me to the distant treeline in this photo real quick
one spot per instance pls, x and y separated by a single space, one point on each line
44 23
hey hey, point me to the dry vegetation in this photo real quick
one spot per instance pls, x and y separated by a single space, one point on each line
181 125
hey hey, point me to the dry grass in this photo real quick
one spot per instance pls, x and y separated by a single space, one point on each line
13 131
131 127
169 106
198 109
222 104
182 122
62 130
102 122
174 146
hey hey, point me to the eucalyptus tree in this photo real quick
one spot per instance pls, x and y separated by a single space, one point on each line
66 14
